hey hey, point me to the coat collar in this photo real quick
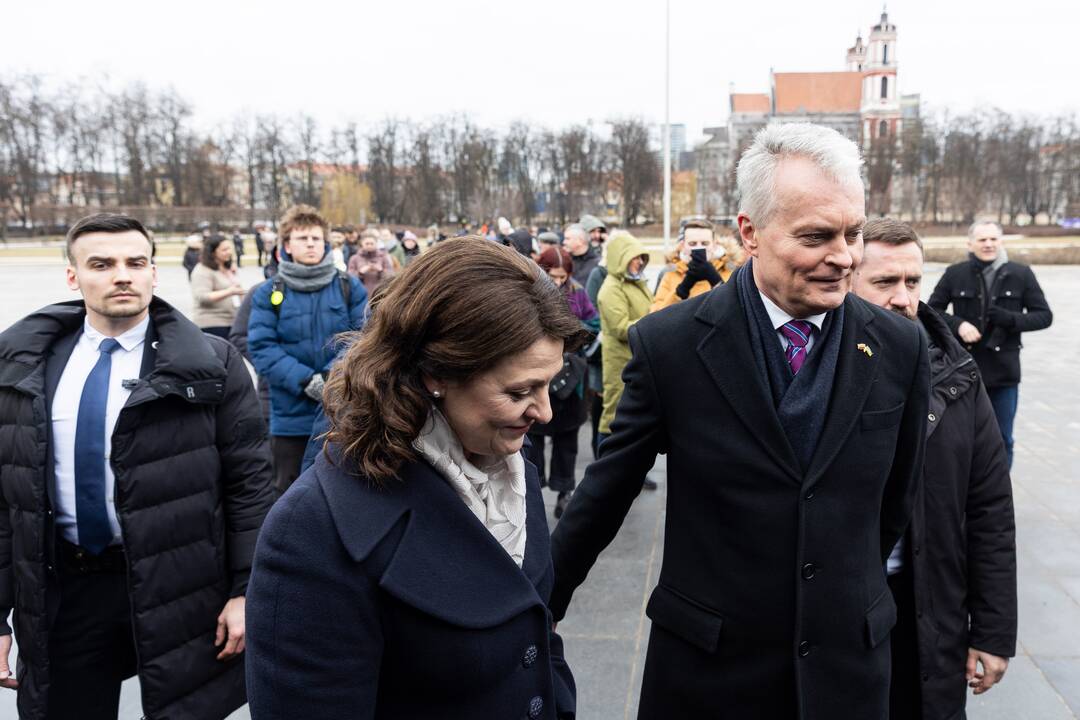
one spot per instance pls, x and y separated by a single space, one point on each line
446 563
728 356
726 352
178 355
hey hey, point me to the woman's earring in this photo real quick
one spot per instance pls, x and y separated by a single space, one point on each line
436 394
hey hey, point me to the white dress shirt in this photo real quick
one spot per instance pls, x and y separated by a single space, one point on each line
126 364
779 318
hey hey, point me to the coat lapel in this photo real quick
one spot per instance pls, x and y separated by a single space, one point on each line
855 371
537 561
446 564
729 358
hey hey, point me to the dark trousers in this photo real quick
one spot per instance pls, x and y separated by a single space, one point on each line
91 643
287 453
262 253
564 447
905 694
1004 400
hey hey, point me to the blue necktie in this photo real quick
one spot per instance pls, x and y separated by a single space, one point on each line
92 518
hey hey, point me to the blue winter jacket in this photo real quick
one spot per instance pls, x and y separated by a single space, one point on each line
291 344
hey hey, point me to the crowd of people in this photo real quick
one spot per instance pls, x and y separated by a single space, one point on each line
365 524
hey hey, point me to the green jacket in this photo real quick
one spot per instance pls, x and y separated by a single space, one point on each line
622 302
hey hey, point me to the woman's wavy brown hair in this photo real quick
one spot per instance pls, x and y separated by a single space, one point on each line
456 311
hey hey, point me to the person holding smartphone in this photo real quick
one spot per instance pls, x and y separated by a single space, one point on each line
702 263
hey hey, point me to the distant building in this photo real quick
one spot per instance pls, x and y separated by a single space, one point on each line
862 102
681 158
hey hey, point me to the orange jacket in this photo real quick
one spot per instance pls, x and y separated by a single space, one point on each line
665 294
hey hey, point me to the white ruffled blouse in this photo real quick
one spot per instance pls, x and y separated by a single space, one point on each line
495 492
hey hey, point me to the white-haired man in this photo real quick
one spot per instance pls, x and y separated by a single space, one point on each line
993 301
792 419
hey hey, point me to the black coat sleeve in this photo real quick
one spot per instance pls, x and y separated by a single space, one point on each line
245 468
991 538
941 297
238 333
7 570
314 629
906 472
603 499
1037 315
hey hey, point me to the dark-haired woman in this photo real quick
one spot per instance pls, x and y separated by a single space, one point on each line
406 574
568 406
216 288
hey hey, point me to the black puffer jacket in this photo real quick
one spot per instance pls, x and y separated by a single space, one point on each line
963 535
192 489
1016 292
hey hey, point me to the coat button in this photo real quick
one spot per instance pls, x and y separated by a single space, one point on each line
917 549
530 656
808 571
810 495
536 706
953 391
804 649
997 349
932 417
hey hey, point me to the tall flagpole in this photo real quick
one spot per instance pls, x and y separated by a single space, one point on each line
667 127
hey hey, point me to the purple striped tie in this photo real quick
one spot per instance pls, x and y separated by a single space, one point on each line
798 334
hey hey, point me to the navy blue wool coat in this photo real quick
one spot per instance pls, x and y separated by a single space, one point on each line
398 603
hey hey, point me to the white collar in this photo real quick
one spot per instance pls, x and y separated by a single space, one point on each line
779 318
129 340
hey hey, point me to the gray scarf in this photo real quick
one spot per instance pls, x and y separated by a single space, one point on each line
991 270
308 278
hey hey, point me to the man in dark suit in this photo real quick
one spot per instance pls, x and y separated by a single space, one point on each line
993 301
134 478
953 575
792 416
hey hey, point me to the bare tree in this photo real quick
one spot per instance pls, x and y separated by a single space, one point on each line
382 174
635 169
425 184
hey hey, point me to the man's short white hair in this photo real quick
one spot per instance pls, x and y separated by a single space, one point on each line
979 223
830 151
576 229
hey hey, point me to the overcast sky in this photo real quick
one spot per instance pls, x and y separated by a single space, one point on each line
553 62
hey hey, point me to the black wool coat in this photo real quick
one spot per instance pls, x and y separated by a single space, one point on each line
192 489
772 600
1015 291
398 603
962 540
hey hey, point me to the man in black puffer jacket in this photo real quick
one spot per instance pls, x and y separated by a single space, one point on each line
134 478
993 302
953 575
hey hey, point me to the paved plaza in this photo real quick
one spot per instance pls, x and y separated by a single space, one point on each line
606 631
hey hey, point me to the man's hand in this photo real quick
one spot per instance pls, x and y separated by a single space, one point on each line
7 678
994 668
1001 318
969 333
230 627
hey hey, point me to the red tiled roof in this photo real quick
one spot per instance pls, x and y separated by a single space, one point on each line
750 102
818 92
